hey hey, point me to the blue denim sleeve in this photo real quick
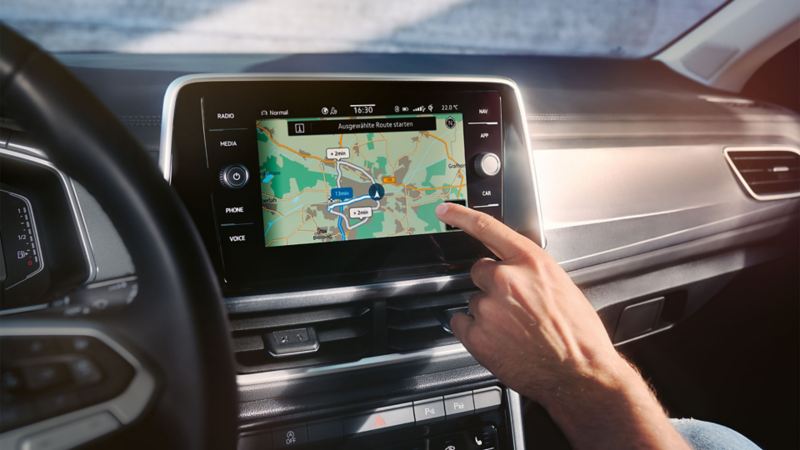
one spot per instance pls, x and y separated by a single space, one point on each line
711 436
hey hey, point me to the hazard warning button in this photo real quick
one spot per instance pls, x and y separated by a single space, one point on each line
380 419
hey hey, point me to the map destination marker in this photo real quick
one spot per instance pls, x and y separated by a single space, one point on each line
338 153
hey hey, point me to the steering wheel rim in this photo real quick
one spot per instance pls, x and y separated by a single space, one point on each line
177 324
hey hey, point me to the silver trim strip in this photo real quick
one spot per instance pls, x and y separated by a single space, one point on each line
336 295
642 336
26 149
674 233
23 153
329 296
580 223
35 238
23 309
741 179
125 407
277 376
515 409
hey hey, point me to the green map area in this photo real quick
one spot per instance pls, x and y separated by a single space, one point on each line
323 188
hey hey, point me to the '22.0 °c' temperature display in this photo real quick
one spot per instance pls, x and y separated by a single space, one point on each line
326 180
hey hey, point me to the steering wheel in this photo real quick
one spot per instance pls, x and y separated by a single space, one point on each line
176 327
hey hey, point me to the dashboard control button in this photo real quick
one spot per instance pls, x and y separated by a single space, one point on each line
221 119
85 372
228 142
324 431
235 236
234 176
487 164
429 410
290 437
488 398
458 404
296 341
454 442
43 376
486 108
231 209
486 438
381 419
28 347
257 441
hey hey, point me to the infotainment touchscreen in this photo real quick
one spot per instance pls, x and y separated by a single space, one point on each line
349 178
301 181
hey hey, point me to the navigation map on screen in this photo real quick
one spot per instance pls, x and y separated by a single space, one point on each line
341 179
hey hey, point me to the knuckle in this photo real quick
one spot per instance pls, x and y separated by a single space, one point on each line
482 222
530 259
502 276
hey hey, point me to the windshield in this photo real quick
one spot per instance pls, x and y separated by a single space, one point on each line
621 28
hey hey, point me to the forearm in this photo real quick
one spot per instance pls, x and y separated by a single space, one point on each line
613 410
536 331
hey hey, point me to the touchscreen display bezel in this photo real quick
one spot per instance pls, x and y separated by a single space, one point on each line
255 268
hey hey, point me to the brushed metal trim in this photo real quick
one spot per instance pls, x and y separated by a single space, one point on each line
515 410
671 234
126 407
743 182
25 153
304 373
345 294
581 223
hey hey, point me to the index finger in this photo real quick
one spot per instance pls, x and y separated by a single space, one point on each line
500 239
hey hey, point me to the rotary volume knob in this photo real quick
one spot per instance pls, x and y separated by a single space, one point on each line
234 176
487 164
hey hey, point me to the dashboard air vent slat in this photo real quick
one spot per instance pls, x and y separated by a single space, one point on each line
767 173
344 334
413 324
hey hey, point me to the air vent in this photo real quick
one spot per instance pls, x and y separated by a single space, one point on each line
768 173
414 324
344 334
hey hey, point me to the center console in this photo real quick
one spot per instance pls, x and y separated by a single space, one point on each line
316 197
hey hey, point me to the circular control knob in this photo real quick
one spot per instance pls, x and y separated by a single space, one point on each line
234 176
487 164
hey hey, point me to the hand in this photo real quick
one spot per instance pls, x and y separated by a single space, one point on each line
536 331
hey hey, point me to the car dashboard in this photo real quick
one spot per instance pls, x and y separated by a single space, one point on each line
650 190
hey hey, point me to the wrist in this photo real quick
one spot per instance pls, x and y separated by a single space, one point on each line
610 401
591 380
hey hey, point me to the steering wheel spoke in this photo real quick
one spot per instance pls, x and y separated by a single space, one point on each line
176 322
64 382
